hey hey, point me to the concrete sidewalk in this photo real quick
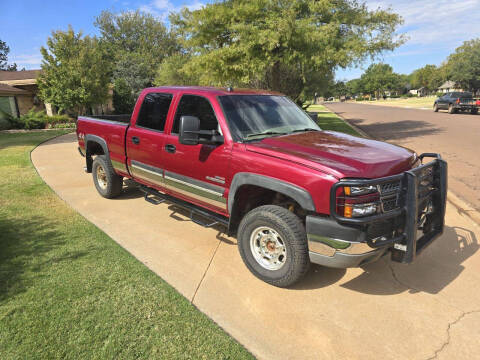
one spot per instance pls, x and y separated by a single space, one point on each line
382 311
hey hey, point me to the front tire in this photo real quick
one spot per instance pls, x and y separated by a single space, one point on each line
474 111
435 107
273 245
107 182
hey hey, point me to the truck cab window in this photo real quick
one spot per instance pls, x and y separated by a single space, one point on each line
198 106
153 113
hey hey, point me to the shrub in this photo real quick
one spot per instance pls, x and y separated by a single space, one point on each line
69 125
31 120
439 94
55 120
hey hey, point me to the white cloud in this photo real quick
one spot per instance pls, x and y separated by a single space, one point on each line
29 61
162 8
435 22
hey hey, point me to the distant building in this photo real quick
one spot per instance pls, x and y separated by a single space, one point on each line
449 86
419 92
19 92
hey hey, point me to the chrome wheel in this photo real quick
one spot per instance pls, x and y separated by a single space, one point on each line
101 177
268 248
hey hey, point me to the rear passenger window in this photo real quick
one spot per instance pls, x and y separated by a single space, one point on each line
153 113
193 105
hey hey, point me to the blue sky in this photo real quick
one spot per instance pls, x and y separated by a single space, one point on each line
434 27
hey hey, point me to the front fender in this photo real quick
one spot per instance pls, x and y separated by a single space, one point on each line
297 193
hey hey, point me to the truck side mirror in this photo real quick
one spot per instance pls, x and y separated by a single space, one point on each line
189 130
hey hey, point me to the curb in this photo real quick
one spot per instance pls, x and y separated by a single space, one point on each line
354 127
462 206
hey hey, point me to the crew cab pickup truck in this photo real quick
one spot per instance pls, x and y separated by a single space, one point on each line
455 102
254 162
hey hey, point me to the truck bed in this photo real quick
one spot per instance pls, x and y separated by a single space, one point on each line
110 128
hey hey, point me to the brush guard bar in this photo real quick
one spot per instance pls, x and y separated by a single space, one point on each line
420 207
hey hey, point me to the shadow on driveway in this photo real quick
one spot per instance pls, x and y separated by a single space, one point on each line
398 130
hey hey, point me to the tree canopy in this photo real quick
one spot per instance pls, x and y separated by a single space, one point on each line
429 77
137 43
283 45
379 78
4 51
463 66
75 73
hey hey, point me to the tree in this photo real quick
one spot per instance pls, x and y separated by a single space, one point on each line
463 65
137 43
428 77
172 71
130 76
4 51
379 78
355 87
281 44
136 33
75 73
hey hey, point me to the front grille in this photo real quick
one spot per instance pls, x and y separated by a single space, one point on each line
390 204
389 195
390 187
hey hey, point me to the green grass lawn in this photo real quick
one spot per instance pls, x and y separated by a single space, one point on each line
330 121
69 291
413 102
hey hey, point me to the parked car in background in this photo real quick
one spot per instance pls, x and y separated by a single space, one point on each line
253 161
457 101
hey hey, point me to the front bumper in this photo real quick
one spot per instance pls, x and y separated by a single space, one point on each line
415 221
334 245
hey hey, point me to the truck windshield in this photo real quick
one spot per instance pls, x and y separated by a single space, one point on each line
252 117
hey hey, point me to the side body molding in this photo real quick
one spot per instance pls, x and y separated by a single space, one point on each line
300 195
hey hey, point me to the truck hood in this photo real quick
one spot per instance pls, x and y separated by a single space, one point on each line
338 154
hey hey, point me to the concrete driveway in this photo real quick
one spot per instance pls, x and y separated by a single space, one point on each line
430 309
455 136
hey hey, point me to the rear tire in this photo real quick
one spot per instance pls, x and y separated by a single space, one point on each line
474 111
107 182
273 245
451 109
435 107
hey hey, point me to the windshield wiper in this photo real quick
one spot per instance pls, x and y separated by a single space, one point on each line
265 133
304 129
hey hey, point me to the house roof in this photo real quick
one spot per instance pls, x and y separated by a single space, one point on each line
10 90
25 77
448 85
19 75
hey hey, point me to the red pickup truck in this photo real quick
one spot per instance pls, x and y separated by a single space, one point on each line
253 161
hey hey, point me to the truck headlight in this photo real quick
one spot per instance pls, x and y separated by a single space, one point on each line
359 190
358 201
359 210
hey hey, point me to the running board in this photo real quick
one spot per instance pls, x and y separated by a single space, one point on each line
156 197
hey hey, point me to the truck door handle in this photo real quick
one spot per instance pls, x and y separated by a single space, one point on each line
135 140
170 148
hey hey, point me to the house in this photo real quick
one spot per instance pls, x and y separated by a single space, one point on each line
419 92
449 86
18 92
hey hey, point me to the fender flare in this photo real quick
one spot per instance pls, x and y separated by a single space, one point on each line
101 142
297 193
